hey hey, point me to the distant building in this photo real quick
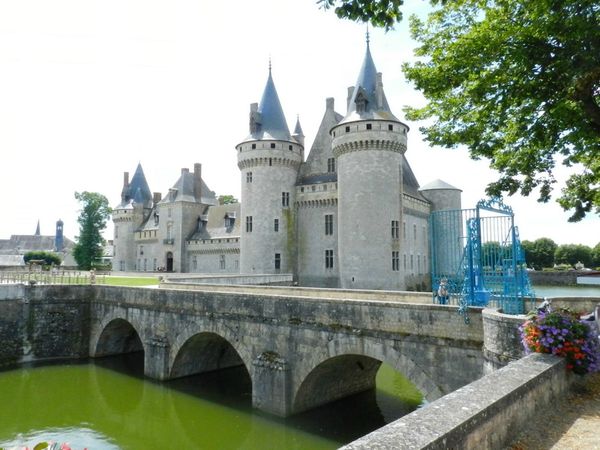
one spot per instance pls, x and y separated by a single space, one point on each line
351 215
13 249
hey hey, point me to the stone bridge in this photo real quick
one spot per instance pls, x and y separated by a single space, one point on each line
300 349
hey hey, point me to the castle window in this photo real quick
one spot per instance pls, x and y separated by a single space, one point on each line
329 259
390 127
328 224
116 232
248 177
285 199
331 165
405 261
276 225
347 129
253 146
277 261
122 265
395 261
419 264
415 232
169 212
395 229
270 161
222 262
248 224
141 249
154 264
290 147
369 126
145 265
404 230
412 265
302 189
194 262
272 144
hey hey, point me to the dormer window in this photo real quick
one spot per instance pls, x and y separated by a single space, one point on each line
272 144
361 101
229 220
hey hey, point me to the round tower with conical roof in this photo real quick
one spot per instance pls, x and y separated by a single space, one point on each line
127 216
368 145
268 159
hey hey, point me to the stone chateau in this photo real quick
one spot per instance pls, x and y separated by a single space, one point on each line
350 215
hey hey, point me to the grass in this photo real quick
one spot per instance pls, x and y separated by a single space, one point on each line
127 281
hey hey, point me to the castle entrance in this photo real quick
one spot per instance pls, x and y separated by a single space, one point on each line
169 262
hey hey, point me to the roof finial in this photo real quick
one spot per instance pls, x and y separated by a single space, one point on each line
368 40
269 64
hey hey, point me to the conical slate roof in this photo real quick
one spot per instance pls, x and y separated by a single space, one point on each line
438 184
271 120
138 189
298 128
365 90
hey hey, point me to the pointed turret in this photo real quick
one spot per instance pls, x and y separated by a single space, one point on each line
367 100
37 229
267 120
138 189
298 133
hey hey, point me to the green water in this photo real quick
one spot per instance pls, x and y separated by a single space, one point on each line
107 405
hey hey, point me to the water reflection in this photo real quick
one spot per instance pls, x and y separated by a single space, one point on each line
110 400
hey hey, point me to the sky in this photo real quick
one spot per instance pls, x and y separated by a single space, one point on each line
89 89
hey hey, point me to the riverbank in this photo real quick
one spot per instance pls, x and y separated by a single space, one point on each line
572 424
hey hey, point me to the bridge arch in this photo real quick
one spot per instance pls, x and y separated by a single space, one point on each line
115 336
200 349
348 366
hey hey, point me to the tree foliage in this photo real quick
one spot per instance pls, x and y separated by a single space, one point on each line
539 253
518 83
92 219
227 199
379 13
49 258
572 254
596 255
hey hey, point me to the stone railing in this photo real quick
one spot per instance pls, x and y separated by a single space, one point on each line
51 277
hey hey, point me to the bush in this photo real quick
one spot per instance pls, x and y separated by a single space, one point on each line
49 258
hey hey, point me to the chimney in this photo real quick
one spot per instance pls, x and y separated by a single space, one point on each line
254 118
379 90
156 197
329 103
124 196
350 92
198 182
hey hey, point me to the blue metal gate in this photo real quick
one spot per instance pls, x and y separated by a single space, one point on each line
477 259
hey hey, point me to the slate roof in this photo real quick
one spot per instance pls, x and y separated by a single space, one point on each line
214 226
366 87
272 123
20 243
138 191
184 187
438 184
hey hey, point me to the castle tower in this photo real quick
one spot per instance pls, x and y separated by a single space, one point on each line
268 159
368 145
135 206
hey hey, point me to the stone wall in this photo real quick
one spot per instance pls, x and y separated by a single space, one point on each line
558 278
43 323
485 414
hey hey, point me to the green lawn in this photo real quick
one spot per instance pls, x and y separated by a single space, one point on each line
127 281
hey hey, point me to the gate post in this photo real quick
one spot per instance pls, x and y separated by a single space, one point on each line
271 384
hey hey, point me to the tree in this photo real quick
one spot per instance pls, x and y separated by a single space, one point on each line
539 253
596 255
49 258
380 13
227 199
572 254
92 221
518 83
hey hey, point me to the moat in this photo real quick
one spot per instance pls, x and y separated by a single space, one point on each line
107 404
